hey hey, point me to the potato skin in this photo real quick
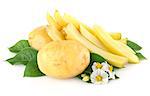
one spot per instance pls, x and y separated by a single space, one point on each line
63 59
39 37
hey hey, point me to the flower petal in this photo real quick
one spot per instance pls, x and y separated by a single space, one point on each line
94 66
105 80
101 73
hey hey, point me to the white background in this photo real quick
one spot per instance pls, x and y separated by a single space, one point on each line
19 17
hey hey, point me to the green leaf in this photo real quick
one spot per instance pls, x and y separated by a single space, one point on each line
32 69
140 56
20 45
27 56
136 48
133 45
24 56
93 58
79 76
96 58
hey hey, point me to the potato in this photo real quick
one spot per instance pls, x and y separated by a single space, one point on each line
39 38
69 19
116 36
63 59
52 21
114 46
54 33
115 60
59 19
84 32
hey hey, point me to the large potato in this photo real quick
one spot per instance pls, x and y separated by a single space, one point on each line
39 37
63 59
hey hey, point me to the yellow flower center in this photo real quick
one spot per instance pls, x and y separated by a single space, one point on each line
98 66
110 68
99 78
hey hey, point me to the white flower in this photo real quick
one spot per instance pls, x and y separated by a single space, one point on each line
105 67
99 77
96 65
109 69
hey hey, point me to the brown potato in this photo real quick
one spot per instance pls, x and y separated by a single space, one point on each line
63 59
39 37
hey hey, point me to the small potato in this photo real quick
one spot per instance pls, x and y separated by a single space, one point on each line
59 19
52 22
63 59
39 37
54 33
